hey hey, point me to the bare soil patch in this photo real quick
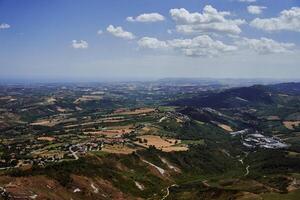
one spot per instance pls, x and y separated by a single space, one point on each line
225 127
46 138
135 111
291 124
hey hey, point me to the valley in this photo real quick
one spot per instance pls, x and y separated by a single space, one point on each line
150 140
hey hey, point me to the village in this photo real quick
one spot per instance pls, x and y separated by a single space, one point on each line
91 136
254 139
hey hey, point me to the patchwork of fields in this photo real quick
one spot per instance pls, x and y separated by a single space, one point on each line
164 142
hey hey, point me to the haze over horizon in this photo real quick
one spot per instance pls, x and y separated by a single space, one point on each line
98 40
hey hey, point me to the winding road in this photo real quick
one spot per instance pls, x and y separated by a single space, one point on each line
248 166
168 191
247 170
73 153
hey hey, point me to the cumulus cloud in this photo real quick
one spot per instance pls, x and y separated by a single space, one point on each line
287 20
152 43
4 26
265 45
255 10
202 45
210 21
119 32
80 44
147 17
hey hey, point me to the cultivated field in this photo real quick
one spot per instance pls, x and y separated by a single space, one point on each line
134 112
291 124
164 144
45 138
118 149
225 127
88 98
115 131
50 122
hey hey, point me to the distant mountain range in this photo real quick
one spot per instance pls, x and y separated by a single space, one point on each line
239 97
232 82
288 88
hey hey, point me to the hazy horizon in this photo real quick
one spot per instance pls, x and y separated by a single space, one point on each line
147 79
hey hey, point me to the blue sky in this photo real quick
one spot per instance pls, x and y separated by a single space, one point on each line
59 40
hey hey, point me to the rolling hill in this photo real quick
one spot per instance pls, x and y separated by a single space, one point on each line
231 98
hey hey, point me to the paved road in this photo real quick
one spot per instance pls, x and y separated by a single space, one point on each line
248 166
73 153
247 170
168 191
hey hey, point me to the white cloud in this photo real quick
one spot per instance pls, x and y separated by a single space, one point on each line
99 32
147 17
210 21
287 20
152 43
4 26
247 1
205 46
80 44
255 10
265 45
202 45
119 32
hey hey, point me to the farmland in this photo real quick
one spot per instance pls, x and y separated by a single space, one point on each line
165 141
